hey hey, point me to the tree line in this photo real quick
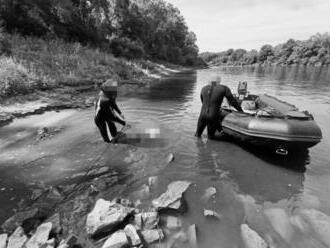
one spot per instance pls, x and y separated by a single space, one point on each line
152 29
315 51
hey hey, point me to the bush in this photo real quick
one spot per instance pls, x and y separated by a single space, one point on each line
15 78
127 48
5 46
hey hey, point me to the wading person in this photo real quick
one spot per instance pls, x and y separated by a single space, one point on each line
105 111
212 96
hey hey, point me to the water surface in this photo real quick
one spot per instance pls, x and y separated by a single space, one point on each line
242 175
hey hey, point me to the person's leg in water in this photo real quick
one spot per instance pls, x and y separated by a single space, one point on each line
102 126
212 126
201 124
112 128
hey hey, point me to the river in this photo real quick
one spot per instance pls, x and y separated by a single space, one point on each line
238 172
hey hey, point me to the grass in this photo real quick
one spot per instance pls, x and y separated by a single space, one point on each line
35 63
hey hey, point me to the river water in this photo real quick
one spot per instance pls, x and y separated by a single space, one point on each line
247 179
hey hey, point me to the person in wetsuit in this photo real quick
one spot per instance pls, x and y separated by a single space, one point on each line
105 110
212 96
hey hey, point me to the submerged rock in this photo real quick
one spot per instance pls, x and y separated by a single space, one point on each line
133 235
209 192
142 193
152 181
3 240
212 214
280 222
192 236
173 223
152 236
172 198
320 222
251 238
40 237
17 239
105 217
116 240
170 158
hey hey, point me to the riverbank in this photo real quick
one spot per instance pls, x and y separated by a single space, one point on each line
39 75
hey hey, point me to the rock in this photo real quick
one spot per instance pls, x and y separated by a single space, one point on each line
152 181
280 222
320 223
192 236
40 237
251 238
132 234
17 220
212 214
69 242
49 244
152 236
173 197
3 240
116 240
36 193
105 217
56 223
147 220
170 158
209 192
173 223
17 239
298 222
150 220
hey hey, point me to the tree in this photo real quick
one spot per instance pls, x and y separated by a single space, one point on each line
265 52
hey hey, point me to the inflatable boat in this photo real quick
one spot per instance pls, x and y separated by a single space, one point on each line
270 122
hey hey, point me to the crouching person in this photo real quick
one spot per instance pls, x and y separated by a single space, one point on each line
105 109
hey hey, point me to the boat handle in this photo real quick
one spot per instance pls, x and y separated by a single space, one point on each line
282 151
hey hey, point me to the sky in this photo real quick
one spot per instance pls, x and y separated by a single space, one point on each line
249 24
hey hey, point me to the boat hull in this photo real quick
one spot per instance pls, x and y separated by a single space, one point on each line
272 132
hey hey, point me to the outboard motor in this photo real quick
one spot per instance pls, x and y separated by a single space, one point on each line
242 90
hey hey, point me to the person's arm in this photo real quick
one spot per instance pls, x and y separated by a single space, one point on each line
114 105
232 101
201 97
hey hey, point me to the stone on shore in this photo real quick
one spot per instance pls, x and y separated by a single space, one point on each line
152 236
116 240
320 223
3 240
40 237
173 197
17 239
17 220
280 222
192 236
105 217
251 238
146 220
132 234
212 214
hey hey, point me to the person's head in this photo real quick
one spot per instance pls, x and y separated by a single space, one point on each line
216 80
109 88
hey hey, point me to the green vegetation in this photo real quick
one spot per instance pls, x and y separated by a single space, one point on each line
151 29
36 63
315 52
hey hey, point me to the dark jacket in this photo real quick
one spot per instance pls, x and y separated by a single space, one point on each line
212 97
106 106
